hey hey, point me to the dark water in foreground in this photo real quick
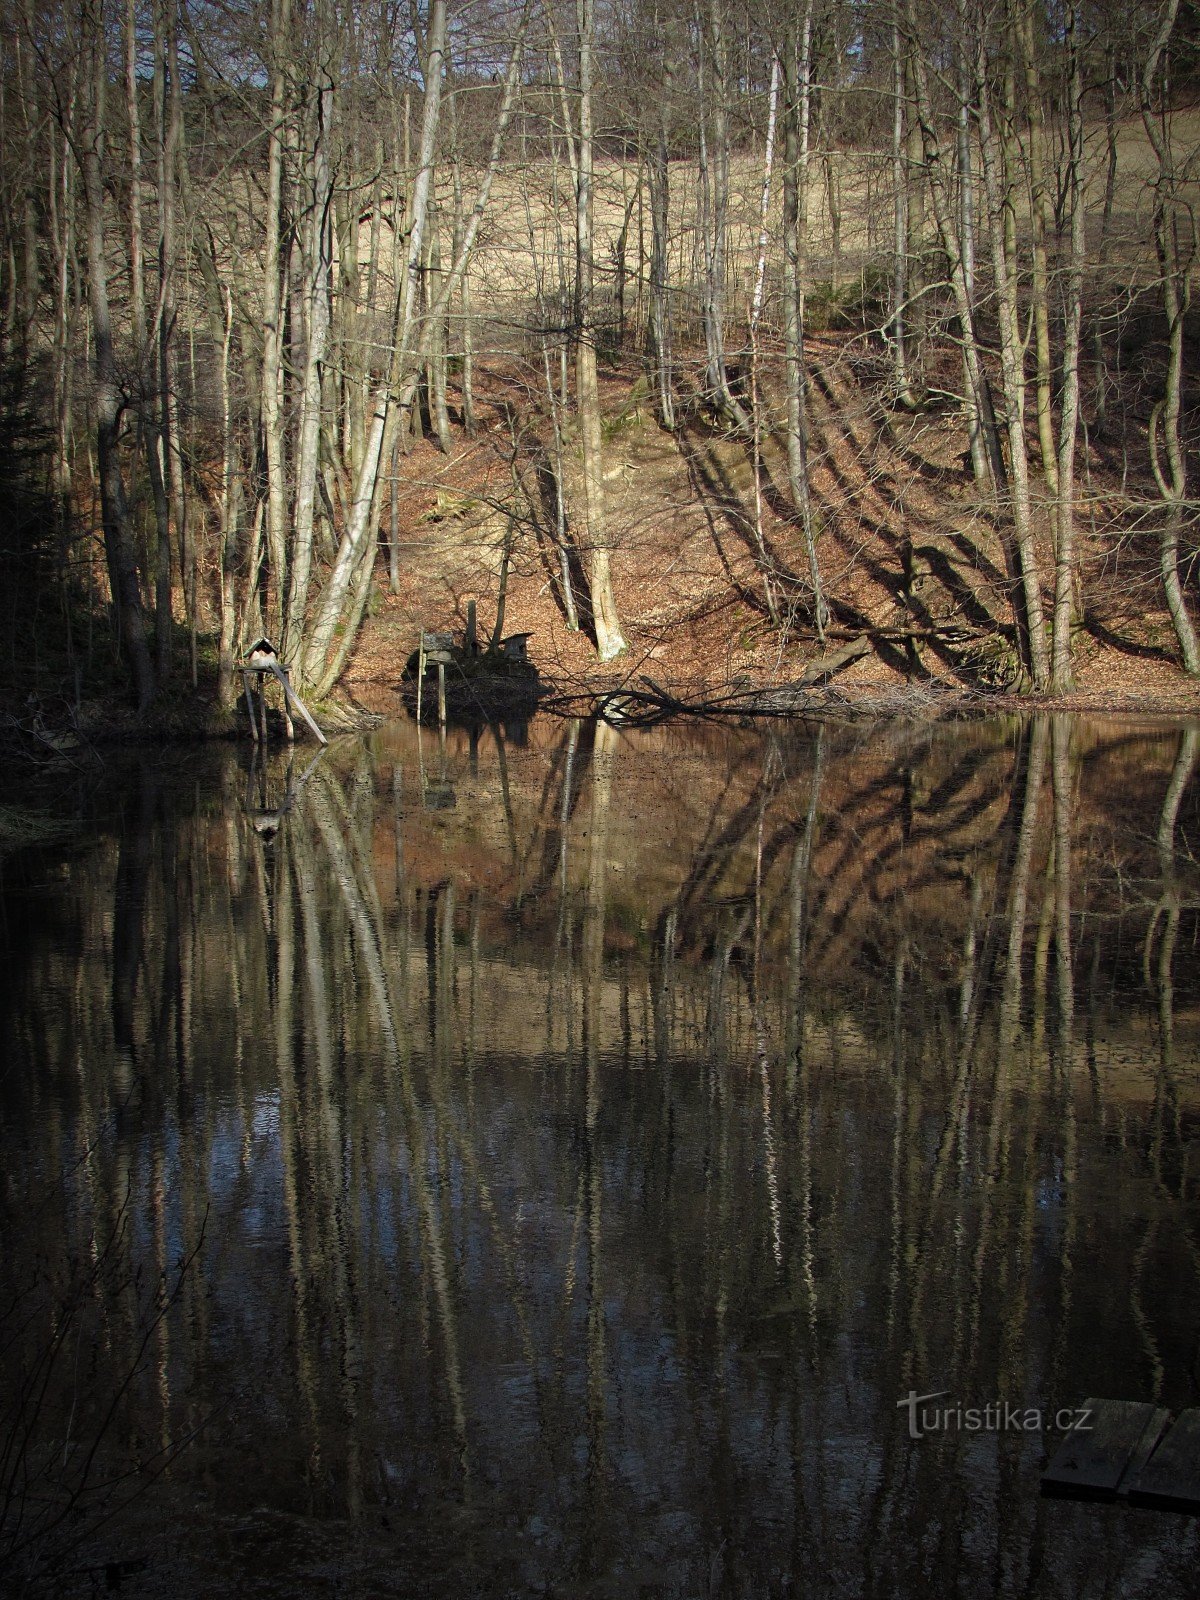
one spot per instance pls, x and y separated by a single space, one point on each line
544 1167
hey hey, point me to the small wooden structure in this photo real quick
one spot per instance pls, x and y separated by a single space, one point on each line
1129 1449
516 646
435 649
261 660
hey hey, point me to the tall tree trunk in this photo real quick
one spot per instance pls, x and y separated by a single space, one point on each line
1041 216
897 325
797 86
118 535
137 279
230 501
62 204
610 641
714 178
468 331
983 463
28 81
1064 553
985 441
660 268
552 471
1099 365
318 269
1012 358
1175 272
439 410
169 129
766 564
147 364
272 346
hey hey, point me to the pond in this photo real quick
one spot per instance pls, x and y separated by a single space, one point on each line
545 1161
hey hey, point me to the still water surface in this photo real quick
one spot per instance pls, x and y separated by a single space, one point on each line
543 1163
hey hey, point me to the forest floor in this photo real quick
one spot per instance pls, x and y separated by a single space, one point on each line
914 561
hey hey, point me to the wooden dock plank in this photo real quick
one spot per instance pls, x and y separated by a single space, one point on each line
1171 1476
1094 1460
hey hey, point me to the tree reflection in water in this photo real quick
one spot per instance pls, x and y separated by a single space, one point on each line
587 1169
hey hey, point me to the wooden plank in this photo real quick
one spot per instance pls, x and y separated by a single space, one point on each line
1171 1477
1147 1445
292 698
250 706
1096 1456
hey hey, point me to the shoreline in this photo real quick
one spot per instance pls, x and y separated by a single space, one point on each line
613 697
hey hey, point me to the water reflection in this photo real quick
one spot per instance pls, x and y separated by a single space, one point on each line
592 1140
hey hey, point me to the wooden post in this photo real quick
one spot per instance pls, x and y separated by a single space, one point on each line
250 706
288 726
435 648
262 707
471 643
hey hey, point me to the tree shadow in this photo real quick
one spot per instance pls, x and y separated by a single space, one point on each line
721 502
552 552
1127 647
544 508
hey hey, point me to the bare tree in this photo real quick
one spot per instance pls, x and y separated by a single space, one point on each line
118 533
610 641
1175 247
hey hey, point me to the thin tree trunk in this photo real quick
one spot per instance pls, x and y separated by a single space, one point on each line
797 79
555 471
1175 279
1012 365
147 348
714 178
394 524
230 498
985 442
62 202
1064 555
170 156
1099 365
660 269
318 269
610 641
272 348
440 413
118 537
901 378
468 332
756 307
137 280
982 463
28 80
1042 219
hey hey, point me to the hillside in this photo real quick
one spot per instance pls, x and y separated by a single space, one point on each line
872 364
914 560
